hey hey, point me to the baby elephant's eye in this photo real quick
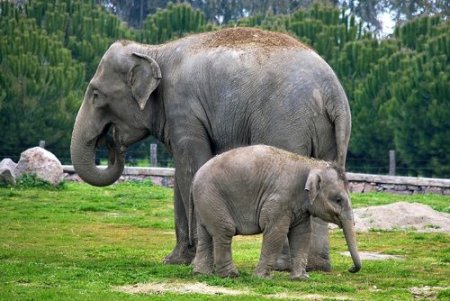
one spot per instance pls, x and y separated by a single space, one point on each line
338 201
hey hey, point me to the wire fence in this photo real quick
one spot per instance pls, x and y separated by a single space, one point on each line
144 156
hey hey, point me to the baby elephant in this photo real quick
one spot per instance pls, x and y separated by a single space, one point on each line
263 189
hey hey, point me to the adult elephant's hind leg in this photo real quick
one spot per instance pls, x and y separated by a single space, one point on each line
319 257
283 262
319 253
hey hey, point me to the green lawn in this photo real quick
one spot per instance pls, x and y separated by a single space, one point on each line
79 242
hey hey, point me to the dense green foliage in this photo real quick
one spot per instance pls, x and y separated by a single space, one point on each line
37 75
171 23
48 52
398 87
82 242
224 11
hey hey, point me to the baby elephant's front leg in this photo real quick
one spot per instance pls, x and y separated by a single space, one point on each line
274 237
299 242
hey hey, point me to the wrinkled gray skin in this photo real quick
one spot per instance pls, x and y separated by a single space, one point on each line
203 95
262 189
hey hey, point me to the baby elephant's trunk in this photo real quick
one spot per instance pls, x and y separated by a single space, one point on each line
349 233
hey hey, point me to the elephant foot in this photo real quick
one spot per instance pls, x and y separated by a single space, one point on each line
283 263
228 271
299 276
316 263
202 267
202 270
263 274
263 270
180 255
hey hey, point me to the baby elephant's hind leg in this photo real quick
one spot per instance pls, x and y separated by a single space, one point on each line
222 256
204 260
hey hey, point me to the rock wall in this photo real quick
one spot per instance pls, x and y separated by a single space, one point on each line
359 183
363 183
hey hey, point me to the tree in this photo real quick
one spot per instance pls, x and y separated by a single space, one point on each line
399 98
400 11
40 85
134 12
173 22
83 27
419 107
48 52
410 9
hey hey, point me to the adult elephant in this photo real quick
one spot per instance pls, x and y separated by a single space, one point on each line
205 94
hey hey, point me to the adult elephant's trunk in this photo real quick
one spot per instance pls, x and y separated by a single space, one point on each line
349 233
83 157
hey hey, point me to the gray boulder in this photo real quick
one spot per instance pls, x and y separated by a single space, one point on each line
8 171
42 163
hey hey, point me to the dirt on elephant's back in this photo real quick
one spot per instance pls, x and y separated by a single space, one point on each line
251 37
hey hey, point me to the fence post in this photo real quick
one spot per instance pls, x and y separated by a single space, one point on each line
42 143
153 154
392 163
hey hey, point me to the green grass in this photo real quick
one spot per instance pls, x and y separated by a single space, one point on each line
78 242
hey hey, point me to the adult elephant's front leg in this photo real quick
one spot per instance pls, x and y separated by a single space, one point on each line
183 253
189 157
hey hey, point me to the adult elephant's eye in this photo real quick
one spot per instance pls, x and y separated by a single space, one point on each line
97 99
95 96
338 201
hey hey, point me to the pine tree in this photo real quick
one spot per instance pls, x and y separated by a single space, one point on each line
419 107
173 22
82 26
41 85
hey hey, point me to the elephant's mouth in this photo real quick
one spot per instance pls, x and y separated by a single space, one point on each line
110 139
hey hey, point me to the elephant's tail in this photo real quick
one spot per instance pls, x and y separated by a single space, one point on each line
342 124
191 217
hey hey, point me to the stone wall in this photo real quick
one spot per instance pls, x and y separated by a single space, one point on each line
359 183
396 184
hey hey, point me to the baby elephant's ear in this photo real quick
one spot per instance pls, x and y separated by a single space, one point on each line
313 184
143 78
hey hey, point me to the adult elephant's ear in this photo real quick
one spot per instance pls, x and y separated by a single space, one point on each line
312 185
143 78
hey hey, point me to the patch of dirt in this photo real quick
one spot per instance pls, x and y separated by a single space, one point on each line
241 36
204 289
401 216
179 288
425 292
374 256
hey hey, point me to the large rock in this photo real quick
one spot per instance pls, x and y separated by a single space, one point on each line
8 171
42 163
